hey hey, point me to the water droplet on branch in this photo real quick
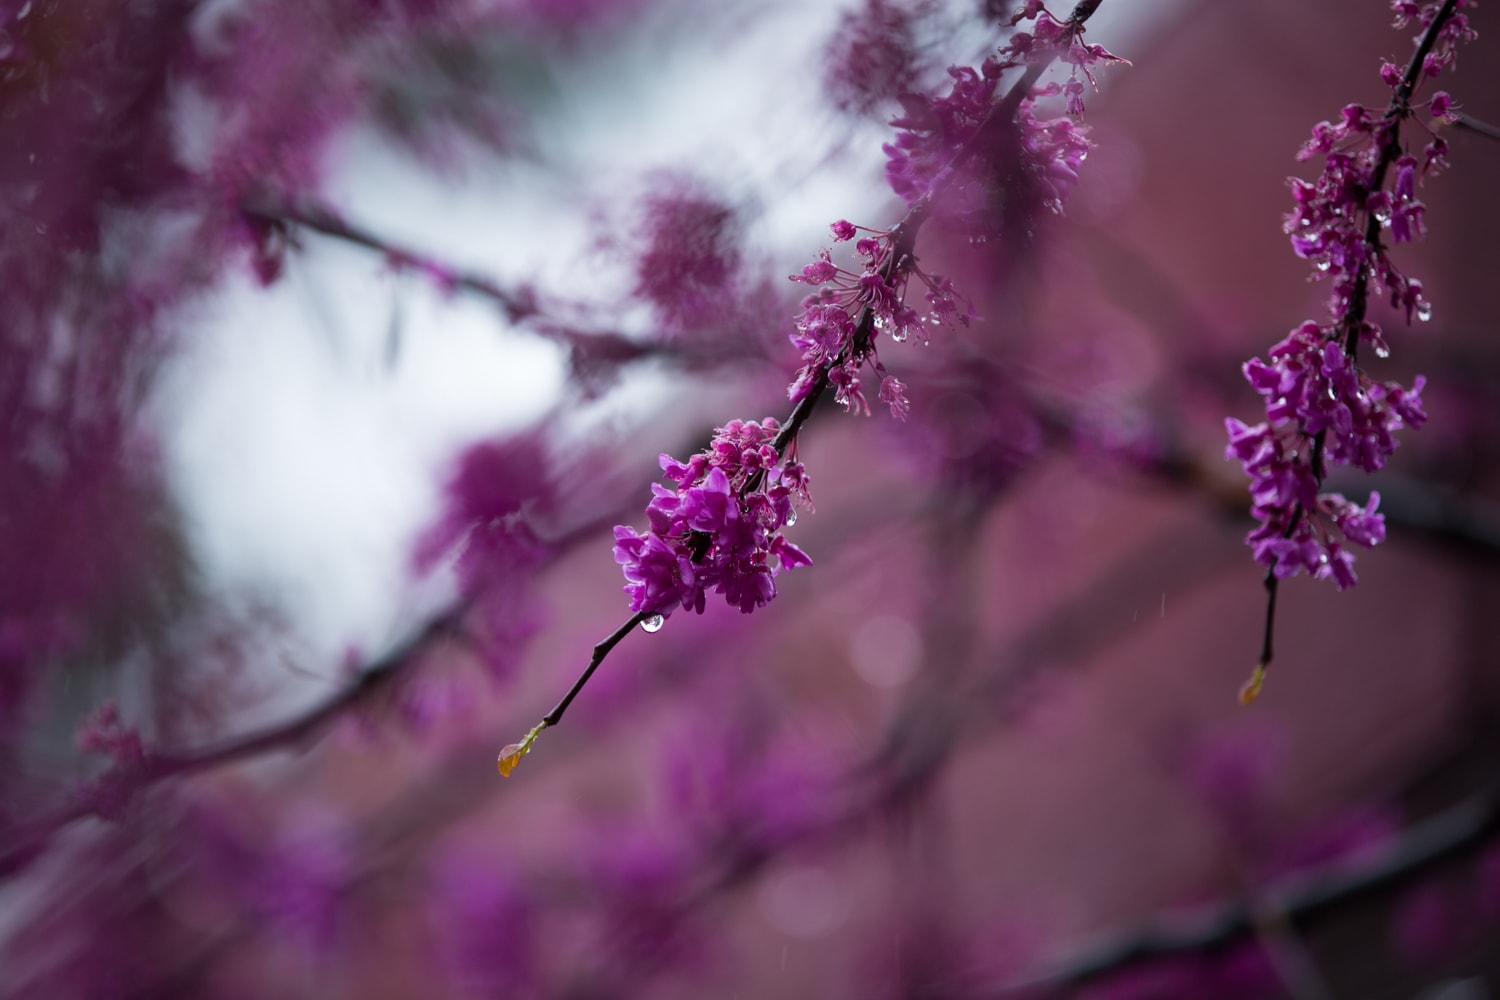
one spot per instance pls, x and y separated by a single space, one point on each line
652 623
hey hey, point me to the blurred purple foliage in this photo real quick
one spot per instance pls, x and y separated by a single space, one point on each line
986 745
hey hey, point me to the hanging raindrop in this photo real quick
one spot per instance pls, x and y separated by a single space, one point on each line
791 517
652 623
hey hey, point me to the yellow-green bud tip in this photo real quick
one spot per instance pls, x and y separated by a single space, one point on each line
1251 689
511 755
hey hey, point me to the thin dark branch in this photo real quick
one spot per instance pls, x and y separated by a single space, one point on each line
1252 687
601 650
123 781
1299 898
517 304
445 626
1083 11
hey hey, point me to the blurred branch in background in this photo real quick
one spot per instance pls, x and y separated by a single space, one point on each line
591 348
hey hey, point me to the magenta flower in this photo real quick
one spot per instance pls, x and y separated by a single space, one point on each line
934 129
1321 405
691 255
659 573
720 529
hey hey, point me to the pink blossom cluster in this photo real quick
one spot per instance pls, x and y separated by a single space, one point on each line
934 130
1321 405
105 733
839 322
718 527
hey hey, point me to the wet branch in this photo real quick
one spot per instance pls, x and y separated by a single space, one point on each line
901 258
1352 320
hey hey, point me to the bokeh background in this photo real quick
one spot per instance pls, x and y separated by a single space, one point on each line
338 335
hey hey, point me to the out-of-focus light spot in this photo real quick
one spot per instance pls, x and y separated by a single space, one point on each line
804 901
885 651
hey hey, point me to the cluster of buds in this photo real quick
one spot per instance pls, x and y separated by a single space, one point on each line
1321 405
837 329
718 527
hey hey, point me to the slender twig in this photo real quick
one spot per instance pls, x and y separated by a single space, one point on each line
901 257
123 781
519 304
601 650
1352 320
445 626
1297 899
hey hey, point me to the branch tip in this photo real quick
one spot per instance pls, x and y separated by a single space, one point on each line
511 755
1250 690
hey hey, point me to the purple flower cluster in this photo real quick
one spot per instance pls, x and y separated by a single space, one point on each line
690 255
873 56
109 794
834 334
719 527
935 129
1321 406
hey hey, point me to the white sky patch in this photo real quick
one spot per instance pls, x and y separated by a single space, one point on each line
307 459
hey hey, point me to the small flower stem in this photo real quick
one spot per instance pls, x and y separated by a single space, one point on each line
1251 690
601 650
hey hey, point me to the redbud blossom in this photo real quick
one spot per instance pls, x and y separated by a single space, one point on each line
1321 406
720 527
